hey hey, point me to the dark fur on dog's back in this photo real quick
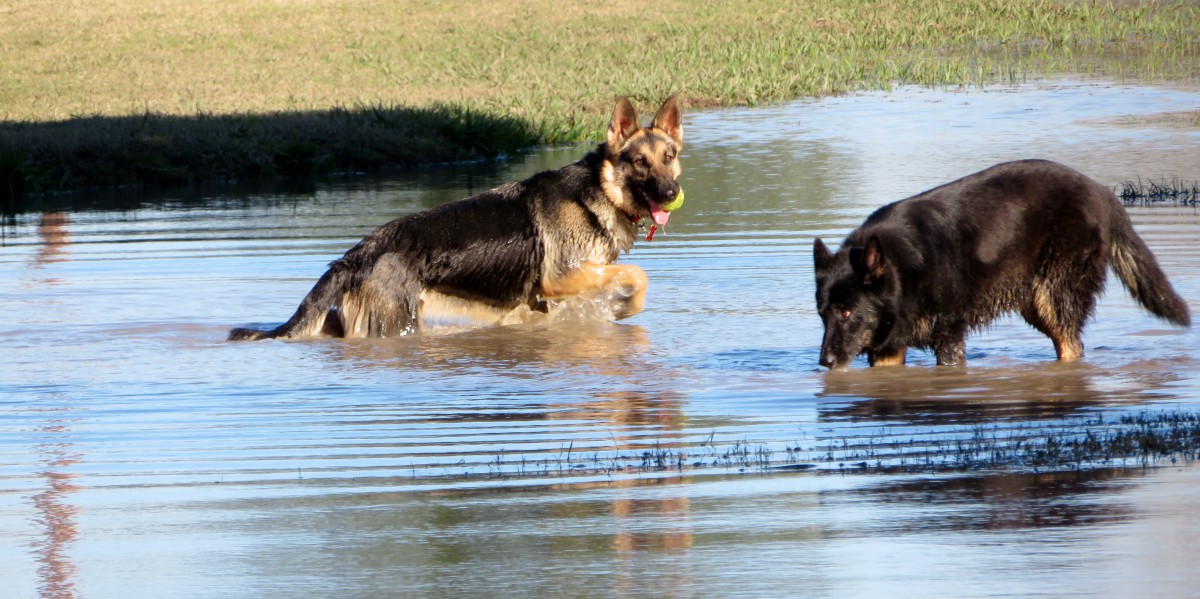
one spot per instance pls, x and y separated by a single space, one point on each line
555 234
1033 237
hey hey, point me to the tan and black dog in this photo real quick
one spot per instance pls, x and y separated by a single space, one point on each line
554 235
1032 236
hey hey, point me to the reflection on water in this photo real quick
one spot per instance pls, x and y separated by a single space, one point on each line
693 450
54 515
1016 501
52 230
1028 392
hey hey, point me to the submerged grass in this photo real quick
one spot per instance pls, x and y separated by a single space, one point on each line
1173 192
1140 439
292 88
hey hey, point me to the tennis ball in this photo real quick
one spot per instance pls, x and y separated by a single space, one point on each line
675 204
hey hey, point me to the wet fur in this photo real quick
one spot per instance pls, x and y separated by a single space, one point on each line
554 235
1033 237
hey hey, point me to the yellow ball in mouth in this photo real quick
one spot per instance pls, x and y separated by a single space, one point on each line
675 204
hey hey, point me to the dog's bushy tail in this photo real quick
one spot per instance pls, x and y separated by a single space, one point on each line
1139 271
309 318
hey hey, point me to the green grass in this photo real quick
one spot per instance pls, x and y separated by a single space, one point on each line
118 92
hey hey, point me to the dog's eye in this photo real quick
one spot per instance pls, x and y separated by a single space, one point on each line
845 313
640 162
668 158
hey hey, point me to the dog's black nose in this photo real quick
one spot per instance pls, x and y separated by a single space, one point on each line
667 193
826 361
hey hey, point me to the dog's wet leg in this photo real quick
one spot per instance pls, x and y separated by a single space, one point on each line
951 355
622 285
1061 317
951 349
1074 307
891 356
627 287
1069 349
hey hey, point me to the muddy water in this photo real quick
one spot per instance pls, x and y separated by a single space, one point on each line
694 450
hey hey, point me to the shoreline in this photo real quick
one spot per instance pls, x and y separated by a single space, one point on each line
444 143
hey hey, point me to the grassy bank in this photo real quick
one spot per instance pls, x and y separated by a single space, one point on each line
118 92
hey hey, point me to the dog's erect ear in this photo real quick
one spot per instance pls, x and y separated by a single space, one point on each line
869 262
669 120
624 124
822 257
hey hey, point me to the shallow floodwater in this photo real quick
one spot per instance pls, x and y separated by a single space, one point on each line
693 450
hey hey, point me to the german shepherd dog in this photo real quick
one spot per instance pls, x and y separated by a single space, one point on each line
1032 236
552 236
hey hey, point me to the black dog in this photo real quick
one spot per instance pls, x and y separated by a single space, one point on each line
509 249
1033 236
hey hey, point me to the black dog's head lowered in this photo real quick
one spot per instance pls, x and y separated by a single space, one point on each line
856 293
641 164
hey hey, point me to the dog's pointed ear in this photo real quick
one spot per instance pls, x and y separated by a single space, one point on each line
869 261
624 124
822 257
670 120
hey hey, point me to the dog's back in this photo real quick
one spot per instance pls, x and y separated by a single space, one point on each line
1033 237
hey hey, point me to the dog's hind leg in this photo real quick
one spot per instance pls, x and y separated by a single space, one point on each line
1066 347
1059 312
384 304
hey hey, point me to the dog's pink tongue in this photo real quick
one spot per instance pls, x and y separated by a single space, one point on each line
658 215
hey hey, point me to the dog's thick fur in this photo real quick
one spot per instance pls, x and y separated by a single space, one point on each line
1032 236
554 235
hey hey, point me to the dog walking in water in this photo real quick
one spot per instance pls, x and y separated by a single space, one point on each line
1032 236
555 235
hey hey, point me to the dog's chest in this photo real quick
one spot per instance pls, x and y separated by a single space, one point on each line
621 234
606 247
